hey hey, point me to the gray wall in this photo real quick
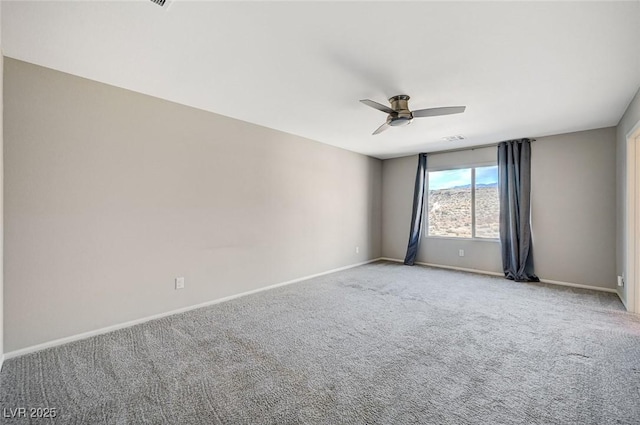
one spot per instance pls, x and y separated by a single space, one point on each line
628 120
573 213
111 194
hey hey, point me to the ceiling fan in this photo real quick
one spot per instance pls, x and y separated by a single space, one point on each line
399 113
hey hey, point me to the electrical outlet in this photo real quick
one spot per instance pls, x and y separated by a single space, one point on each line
461 252
357 250
620 281
179 282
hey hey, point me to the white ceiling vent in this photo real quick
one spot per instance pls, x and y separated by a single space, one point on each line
162 3
453 138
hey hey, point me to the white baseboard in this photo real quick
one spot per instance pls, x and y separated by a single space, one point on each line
1 361
84 335
552 282
624 301
440 266
579 285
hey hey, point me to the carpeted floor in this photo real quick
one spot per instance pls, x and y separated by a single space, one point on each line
378 344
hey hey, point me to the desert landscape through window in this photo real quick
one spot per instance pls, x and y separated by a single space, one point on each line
450 203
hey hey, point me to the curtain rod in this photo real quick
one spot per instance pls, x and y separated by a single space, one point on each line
470 148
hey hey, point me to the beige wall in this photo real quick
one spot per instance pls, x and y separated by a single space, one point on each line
573 213
110 195
573 207
630 118
1 199
397 193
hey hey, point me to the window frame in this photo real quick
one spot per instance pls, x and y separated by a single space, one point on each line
425 212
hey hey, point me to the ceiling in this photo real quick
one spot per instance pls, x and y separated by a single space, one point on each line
523 69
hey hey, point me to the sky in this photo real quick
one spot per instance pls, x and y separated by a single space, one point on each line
461 177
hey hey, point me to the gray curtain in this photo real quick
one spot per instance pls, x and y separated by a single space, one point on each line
514 186
418 207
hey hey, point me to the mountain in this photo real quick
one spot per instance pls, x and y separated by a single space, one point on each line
478 186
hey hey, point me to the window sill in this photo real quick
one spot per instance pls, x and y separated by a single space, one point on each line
452 238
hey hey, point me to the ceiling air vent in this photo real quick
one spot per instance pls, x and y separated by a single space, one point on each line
162 3
453 138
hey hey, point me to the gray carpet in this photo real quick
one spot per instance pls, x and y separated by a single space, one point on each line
378 344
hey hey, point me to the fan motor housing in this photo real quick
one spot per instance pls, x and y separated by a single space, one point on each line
403 115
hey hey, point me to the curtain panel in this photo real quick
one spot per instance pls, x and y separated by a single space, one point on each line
514 187
418 208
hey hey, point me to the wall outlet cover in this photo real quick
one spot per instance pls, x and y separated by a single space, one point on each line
179 282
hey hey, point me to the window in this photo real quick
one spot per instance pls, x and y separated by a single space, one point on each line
463 203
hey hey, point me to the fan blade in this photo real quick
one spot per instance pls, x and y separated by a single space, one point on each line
378 106
434 112
380 129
